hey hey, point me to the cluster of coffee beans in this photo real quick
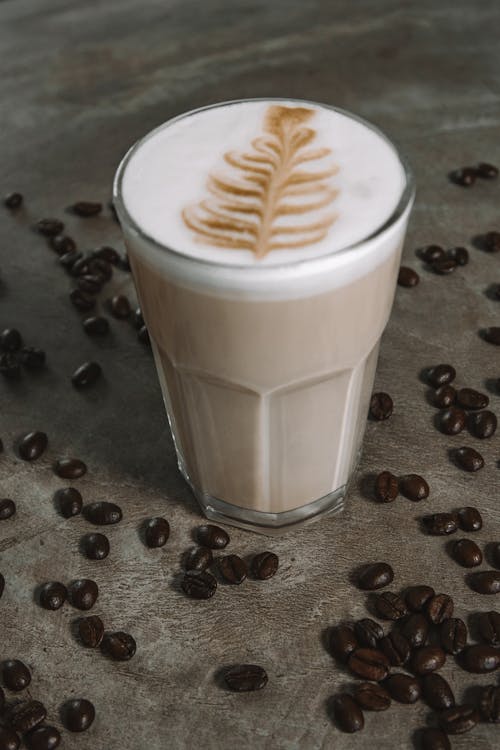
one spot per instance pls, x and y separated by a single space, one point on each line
14 356
388 486
467 176
443 261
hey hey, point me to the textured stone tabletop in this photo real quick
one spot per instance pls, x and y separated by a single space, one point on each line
80 83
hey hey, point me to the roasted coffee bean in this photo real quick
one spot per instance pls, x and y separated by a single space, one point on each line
233 569
414 487
469 459
81 300
459 254
69 259
440 524
83 593
107 253
95 546
10 340
481 658
78 714
43 738
91 631
369 664
348 715
143 335
453 635
264 565
381 406
343 642
198 558
13 200
416 597
441 375
101 268
483 424
466 176
32 358
427 659
103 513
212 536
467 553
416 630
452 421
70 468
459 719
137 318
403 688
492 335
120 306
9 366
487 171
32 445
81 267
16 675
469 519
390 606
49 227
199 585
439 608
26 715
375 576
408 277
86 208
53 595
468 398
119 646
69 501
485 582
157 532
430 253
7 509
436 692
89 284
489 703
489 627
372 697
368 632
62 244
435 739
244 678
491 242
386 487
396 648
444 266
96 326
9 740
445 396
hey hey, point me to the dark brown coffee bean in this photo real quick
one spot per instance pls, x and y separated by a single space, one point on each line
62 244
199 585
233 569
103 513
96 326
445 396
483 424
157 532
264 565
416 630
369 664
32 358
16 675
427 659
468 398
100 268
83 593
403 688
459 719
439 608
70 468
119 646
430 253
386 487
26 715
343 642
212 536
489 627
10 340
86 374
9 740
9 366
137 318
452 421
440 524
95 546
459 254
453 634
465 177
81 267
7 509
368 632
407 277
485 582
89 284
13 200
53 595
49 227
435 739
78 714
469 459
348 715
198 558
81 300
68 260
481 658
390 606
441 375
396 648
372 697
86 208
416 597
487 171
120 306
469 519
32 445
244 678
375 576
467 553
91 631
69 501
381 406
436 692
414 487
106 253
492 335
43 738
444 266
489 703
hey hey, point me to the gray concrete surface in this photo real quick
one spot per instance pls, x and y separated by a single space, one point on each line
80 82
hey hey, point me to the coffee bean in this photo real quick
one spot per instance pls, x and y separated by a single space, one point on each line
119 646
483 424
70 468
489 627
487 171
343 642
233 569
137 318
68 260
53 595
430 253
81 267
96 326
368 632
264 565
244 678
467 553
407 277
26 715
375 576
485 582
403 688
444 266
32 445
143 335
7 509
91 631
445 396
369 664
100 268
32 358
459 254
396 648
9 740
13 200
10 340
459 719
481 658
95 546
16 675
440 524
416 597
103 513
468 398
439 608
86 375
49 227
86 208
414 487
107 253
348 715
386 487
436 692
43 738
466 176
212 536
62 244
427 659
120 306
83 593
492 335
416 630
441 375
381 406
89 284
489 703
435 739
198 558
452 421
390 606
469 459
453 634
469 519
9 366
69 501
199 585
491 242
157 532
78 714
372 697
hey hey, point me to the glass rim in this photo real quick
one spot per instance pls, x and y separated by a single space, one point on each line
405 200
